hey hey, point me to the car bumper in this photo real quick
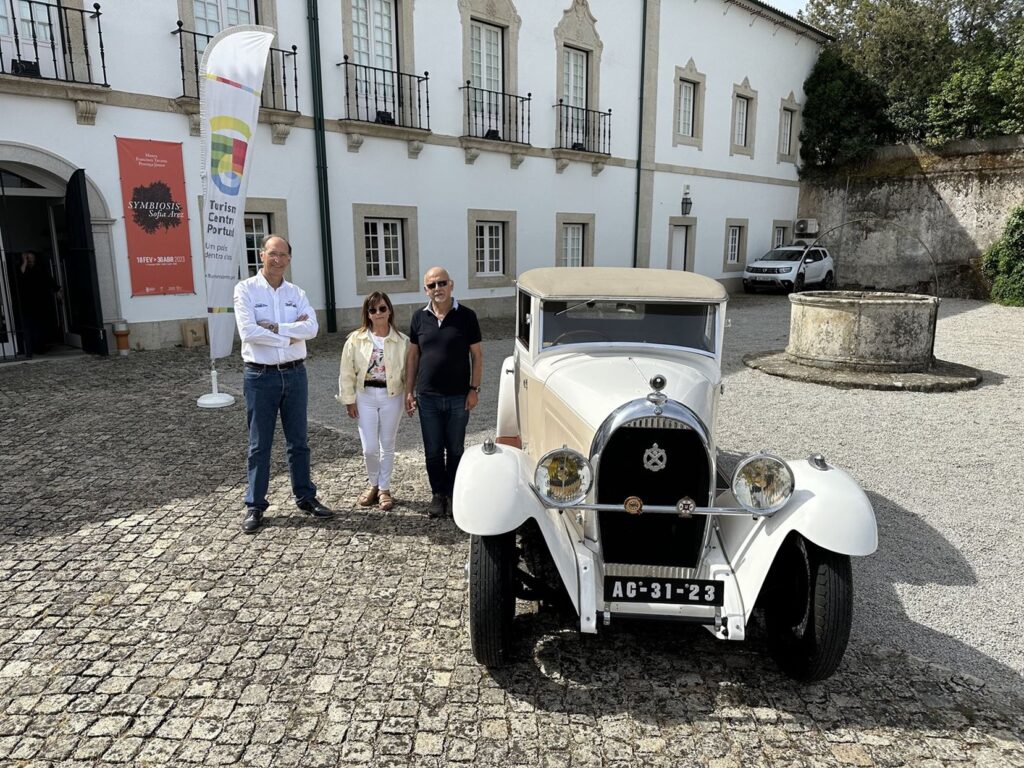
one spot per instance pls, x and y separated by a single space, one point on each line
767 281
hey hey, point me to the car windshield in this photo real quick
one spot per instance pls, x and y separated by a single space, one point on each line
780 255
625 321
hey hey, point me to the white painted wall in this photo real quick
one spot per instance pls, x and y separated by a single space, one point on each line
726 44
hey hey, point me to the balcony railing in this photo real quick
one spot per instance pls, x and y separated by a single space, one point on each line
496 115
584 130
50 41
386 97
281 88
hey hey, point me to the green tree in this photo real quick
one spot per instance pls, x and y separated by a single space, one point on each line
906 46
844 117
1003 263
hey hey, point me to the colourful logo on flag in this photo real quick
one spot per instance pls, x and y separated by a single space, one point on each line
229 141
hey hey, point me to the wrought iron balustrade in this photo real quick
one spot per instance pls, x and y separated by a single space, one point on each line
386 97
281 82
584 130
50 41
497 115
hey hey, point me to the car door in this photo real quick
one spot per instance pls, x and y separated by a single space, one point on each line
813 267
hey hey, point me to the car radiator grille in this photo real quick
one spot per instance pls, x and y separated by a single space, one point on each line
649 539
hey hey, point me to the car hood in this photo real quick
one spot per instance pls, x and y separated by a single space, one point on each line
582 389
774 264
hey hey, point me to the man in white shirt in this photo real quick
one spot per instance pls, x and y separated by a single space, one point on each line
274 321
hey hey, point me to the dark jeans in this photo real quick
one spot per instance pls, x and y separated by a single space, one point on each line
267 393
443 420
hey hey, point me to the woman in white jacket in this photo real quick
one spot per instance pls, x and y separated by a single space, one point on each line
371 385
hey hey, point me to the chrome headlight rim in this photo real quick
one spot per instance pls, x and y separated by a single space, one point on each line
586 478
760 456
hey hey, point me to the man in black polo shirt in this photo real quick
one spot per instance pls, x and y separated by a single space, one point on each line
443 369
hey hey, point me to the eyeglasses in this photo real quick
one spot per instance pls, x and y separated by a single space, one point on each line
375 310
436 284
278 254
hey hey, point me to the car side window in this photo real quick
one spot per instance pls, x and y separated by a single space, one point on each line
523 318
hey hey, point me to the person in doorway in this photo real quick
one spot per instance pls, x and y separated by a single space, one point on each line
442 377
371 386
274 322
36 292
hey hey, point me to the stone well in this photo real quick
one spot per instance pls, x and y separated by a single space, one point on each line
864 340
862 330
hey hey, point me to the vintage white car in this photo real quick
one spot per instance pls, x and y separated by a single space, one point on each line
605 444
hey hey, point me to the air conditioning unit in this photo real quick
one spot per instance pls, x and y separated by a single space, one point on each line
805 227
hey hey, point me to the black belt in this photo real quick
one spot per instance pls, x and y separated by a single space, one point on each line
375 383
274 366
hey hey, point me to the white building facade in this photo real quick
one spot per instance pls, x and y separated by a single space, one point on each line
486 136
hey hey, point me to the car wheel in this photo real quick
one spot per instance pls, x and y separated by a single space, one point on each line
492 596
810 609
748 288
799 284
830 282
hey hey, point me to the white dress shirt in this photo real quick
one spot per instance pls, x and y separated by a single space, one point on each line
257 301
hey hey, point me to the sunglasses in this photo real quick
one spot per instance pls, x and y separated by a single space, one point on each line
374 310
436 284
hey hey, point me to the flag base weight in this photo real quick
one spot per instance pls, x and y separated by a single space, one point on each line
215 400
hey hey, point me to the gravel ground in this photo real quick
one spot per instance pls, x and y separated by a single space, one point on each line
945 584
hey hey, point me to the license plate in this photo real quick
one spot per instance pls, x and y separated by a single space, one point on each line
618 589
763 279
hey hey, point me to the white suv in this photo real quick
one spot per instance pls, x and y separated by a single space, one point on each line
792 268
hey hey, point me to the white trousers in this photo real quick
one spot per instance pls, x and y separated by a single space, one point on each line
379 416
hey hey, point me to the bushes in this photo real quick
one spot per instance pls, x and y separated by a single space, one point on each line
1003 263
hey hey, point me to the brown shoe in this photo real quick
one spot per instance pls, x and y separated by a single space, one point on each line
386 501
368 497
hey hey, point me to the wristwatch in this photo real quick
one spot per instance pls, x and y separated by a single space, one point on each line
475 389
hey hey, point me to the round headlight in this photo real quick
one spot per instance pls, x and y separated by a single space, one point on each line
563 478
762 483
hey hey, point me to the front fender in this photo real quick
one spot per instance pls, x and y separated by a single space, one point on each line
492 493
827 508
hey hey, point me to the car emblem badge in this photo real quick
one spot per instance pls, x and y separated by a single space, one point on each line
655 458
685 506
633 505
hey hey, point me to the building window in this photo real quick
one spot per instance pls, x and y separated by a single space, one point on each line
491 239
687 103
786 133
257 226
574 239
735 255
490 248
214 15
739 126
744 119
386 248
578 64
384 257
688 128
781 232
490 39
779 238
789 129
571 254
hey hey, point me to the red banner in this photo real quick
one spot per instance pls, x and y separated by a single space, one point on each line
155 216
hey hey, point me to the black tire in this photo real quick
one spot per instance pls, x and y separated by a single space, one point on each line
492 596
799 284
830 282
809 610
748 289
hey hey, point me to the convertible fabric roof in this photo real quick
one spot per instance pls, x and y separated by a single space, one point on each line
620 282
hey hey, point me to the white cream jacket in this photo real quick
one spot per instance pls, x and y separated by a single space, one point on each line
355 359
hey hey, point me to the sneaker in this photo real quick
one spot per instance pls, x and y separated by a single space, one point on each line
253 520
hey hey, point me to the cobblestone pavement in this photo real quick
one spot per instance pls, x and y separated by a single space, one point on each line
139 626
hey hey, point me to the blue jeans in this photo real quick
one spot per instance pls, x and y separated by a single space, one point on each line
267 393
443 420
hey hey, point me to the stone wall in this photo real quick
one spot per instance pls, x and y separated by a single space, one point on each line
915 206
